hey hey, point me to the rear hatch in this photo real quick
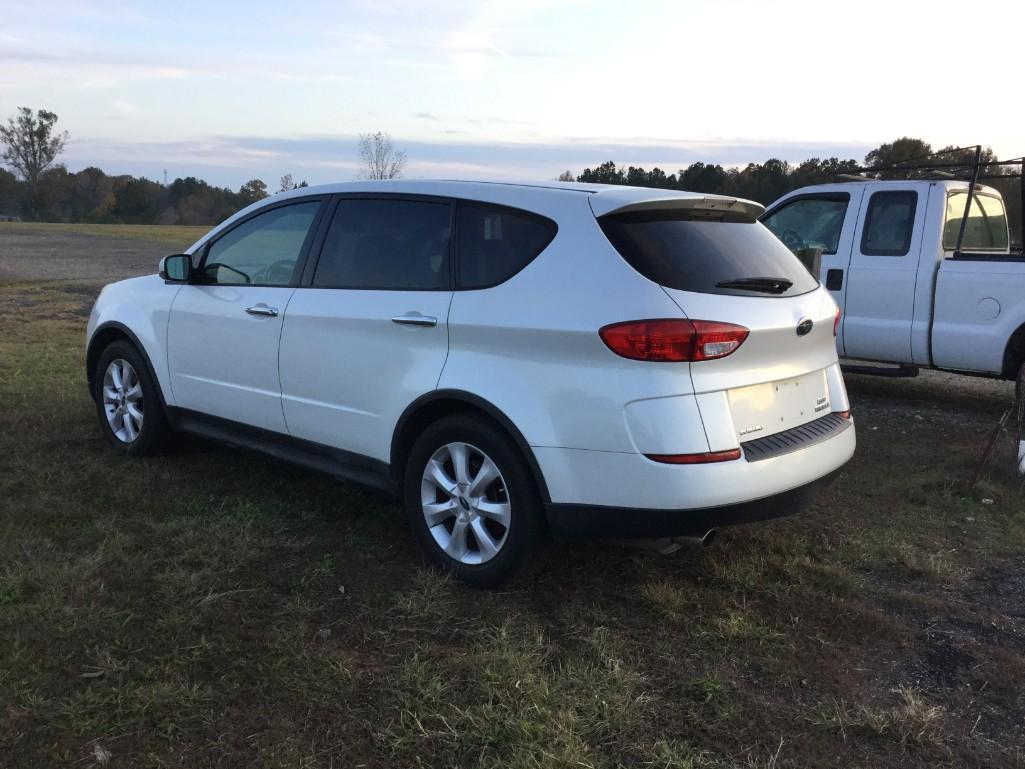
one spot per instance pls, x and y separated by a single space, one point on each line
718 264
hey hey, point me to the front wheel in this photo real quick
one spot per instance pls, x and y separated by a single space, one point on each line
472 501
128 402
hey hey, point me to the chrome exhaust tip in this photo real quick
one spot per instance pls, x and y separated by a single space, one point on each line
705 540
669 545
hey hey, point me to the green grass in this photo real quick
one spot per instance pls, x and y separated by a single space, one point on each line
212 607
171 234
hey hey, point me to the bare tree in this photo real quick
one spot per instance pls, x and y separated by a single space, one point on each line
30 144
378 157
567 176
287 183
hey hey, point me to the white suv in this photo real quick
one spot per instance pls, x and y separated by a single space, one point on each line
512 360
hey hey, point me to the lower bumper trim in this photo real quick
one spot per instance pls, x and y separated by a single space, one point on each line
571 521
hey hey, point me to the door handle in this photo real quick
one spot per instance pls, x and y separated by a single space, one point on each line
263 310
834 279
415 319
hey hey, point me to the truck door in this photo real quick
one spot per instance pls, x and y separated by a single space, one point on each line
825 220
881 279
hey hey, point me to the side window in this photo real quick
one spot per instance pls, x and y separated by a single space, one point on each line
889 223
812 222
400 245
497 242
986 229
262 250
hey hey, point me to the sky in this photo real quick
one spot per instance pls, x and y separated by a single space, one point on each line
522 89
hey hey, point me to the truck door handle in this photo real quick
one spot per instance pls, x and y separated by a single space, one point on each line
834 279
263 310
415 319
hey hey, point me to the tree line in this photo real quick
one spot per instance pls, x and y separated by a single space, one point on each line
37 188
765 182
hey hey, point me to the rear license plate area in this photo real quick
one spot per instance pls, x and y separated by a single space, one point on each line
771 407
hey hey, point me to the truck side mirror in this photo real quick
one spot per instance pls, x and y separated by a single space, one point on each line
811 258
176 268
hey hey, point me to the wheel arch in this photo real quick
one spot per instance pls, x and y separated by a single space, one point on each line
441 403
105 334
1014 353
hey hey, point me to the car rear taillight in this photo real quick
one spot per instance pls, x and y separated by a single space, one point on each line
836 321
695 459
673 340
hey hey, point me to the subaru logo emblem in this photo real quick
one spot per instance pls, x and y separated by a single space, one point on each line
804 327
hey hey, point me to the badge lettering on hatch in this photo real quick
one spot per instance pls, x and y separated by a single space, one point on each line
821 404
749 430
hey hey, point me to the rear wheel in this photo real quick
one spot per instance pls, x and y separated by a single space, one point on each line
127 401
472 502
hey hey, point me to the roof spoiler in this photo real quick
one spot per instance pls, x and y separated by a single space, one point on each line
603 204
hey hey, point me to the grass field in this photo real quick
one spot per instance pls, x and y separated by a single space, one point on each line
215 608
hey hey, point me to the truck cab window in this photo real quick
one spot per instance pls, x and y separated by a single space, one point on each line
810 222
986 229
889 223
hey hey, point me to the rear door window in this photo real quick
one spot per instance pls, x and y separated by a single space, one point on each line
889 223
986 229
810 222
496 242
388 244
677 250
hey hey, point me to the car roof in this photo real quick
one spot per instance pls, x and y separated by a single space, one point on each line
950 184
536 196
603 198
465 188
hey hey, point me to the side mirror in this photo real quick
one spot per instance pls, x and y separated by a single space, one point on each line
176 268
811 258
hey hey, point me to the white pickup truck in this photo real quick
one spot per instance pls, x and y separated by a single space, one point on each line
909 296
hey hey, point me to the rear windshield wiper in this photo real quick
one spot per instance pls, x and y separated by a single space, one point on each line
764 285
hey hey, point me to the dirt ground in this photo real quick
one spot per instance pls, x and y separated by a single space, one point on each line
91 254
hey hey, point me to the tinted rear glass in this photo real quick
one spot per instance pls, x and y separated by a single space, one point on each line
388 244
497 242
689 254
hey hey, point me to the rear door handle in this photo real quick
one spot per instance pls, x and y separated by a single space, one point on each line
834 279
415 319
263 310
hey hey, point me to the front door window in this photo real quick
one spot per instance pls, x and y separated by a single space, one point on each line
261 251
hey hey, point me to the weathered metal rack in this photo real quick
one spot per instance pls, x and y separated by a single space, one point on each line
972 172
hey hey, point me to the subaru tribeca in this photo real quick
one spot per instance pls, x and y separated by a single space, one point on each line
514 361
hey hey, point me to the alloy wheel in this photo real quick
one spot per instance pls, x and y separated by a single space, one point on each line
465 503
122 400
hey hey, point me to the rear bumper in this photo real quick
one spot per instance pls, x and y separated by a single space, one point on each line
568 521
611 494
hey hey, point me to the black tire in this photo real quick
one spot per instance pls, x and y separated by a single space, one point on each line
154 431
525 537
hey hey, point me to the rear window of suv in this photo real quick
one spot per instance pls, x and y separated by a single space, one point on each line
678 250
496 242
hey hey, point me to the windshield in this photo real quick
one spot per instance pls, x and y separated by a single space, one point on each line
707 256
